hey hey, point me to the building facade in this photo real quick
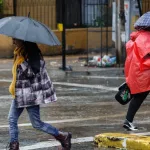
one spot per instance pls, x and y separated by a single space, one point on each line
88 22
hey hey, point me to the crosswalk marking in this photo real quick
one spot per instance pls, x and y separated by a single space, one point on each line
107 88
103 77
143 133
56 121
54 143
84 119
87 86
1 70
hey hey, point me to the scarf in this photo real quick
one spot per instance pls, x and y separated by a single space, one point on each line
18 59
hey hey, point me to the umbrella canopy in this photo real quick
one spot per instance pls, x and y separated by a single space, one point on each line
27 29
143 22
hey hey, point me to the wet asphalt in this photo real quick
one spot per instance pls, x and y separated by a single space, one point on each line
83 110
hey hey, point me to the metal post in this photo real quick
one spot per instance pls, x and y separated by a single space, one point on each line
119 34
14 7
128 19
1 8
63 36
140 9
116 31
121 29
101 32
107 5
122 20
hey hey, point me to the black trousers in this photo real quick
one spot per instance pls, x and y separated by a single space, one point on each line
135 105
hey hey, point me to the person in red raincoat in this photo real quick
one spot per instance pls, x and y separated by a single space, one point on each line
137 72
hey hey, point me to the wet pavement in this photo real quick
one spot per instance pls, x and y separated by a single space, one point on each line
86 106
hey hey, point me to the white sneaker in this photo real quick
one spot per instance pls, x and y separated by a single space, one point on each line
129 126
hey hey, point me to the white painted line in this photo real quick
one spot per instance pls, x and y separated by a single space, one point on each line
142 134
55 143
88 86
68 98
76 85
5 80
5 70
103 77
81 119
4 97
54 122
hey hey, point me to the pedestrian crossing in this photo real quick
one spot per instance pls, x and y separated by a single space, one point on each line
54 143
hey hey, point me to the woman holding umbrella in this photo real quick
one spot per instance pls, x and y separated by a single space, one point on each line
137 67
31 86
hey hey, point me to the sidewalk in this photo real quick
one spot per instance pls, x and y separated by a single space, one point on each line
77 64
123 141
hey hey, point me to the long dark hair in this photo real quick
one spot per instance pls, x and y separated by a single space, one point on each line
33 55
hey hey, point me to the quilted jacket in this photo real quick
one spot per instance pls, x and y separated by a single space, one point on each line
33 89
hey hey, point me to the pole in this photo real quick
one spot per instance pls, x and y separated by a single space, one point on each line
121 30
14 7
116 31
119 34
140 9
1 8
63 36
122 20
128 19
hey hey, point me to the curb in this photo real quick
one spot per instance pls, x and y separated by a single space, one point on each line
123 141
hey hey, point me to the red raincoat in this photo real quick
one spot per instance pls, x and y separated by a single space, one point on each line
137 65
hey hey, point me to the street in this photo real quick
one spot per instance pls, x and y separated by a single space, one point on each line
86 106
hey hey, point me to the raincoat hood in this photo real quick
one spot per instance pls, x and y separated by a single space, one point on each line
134 35
137 65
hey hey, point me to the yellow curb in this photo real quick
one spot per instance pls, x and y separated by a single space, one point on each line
124 141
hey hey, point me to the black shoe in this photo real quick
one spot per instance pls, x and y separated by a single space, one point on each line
129 126
13 146
65 139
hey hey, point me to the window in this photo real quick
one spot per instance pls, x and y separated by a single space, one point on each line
96 13
85 13
72 14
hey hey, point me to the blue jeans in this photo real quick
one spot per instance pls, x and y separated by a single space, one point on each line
34 114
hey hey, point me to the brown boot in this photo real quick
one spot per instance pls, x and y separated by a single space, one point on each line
14 146
65 139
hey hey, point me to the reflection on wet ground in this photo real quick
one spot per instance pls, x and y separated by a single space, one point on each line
85 111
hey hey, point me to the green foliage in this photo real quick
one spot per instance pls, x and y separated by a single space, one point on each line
99 22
